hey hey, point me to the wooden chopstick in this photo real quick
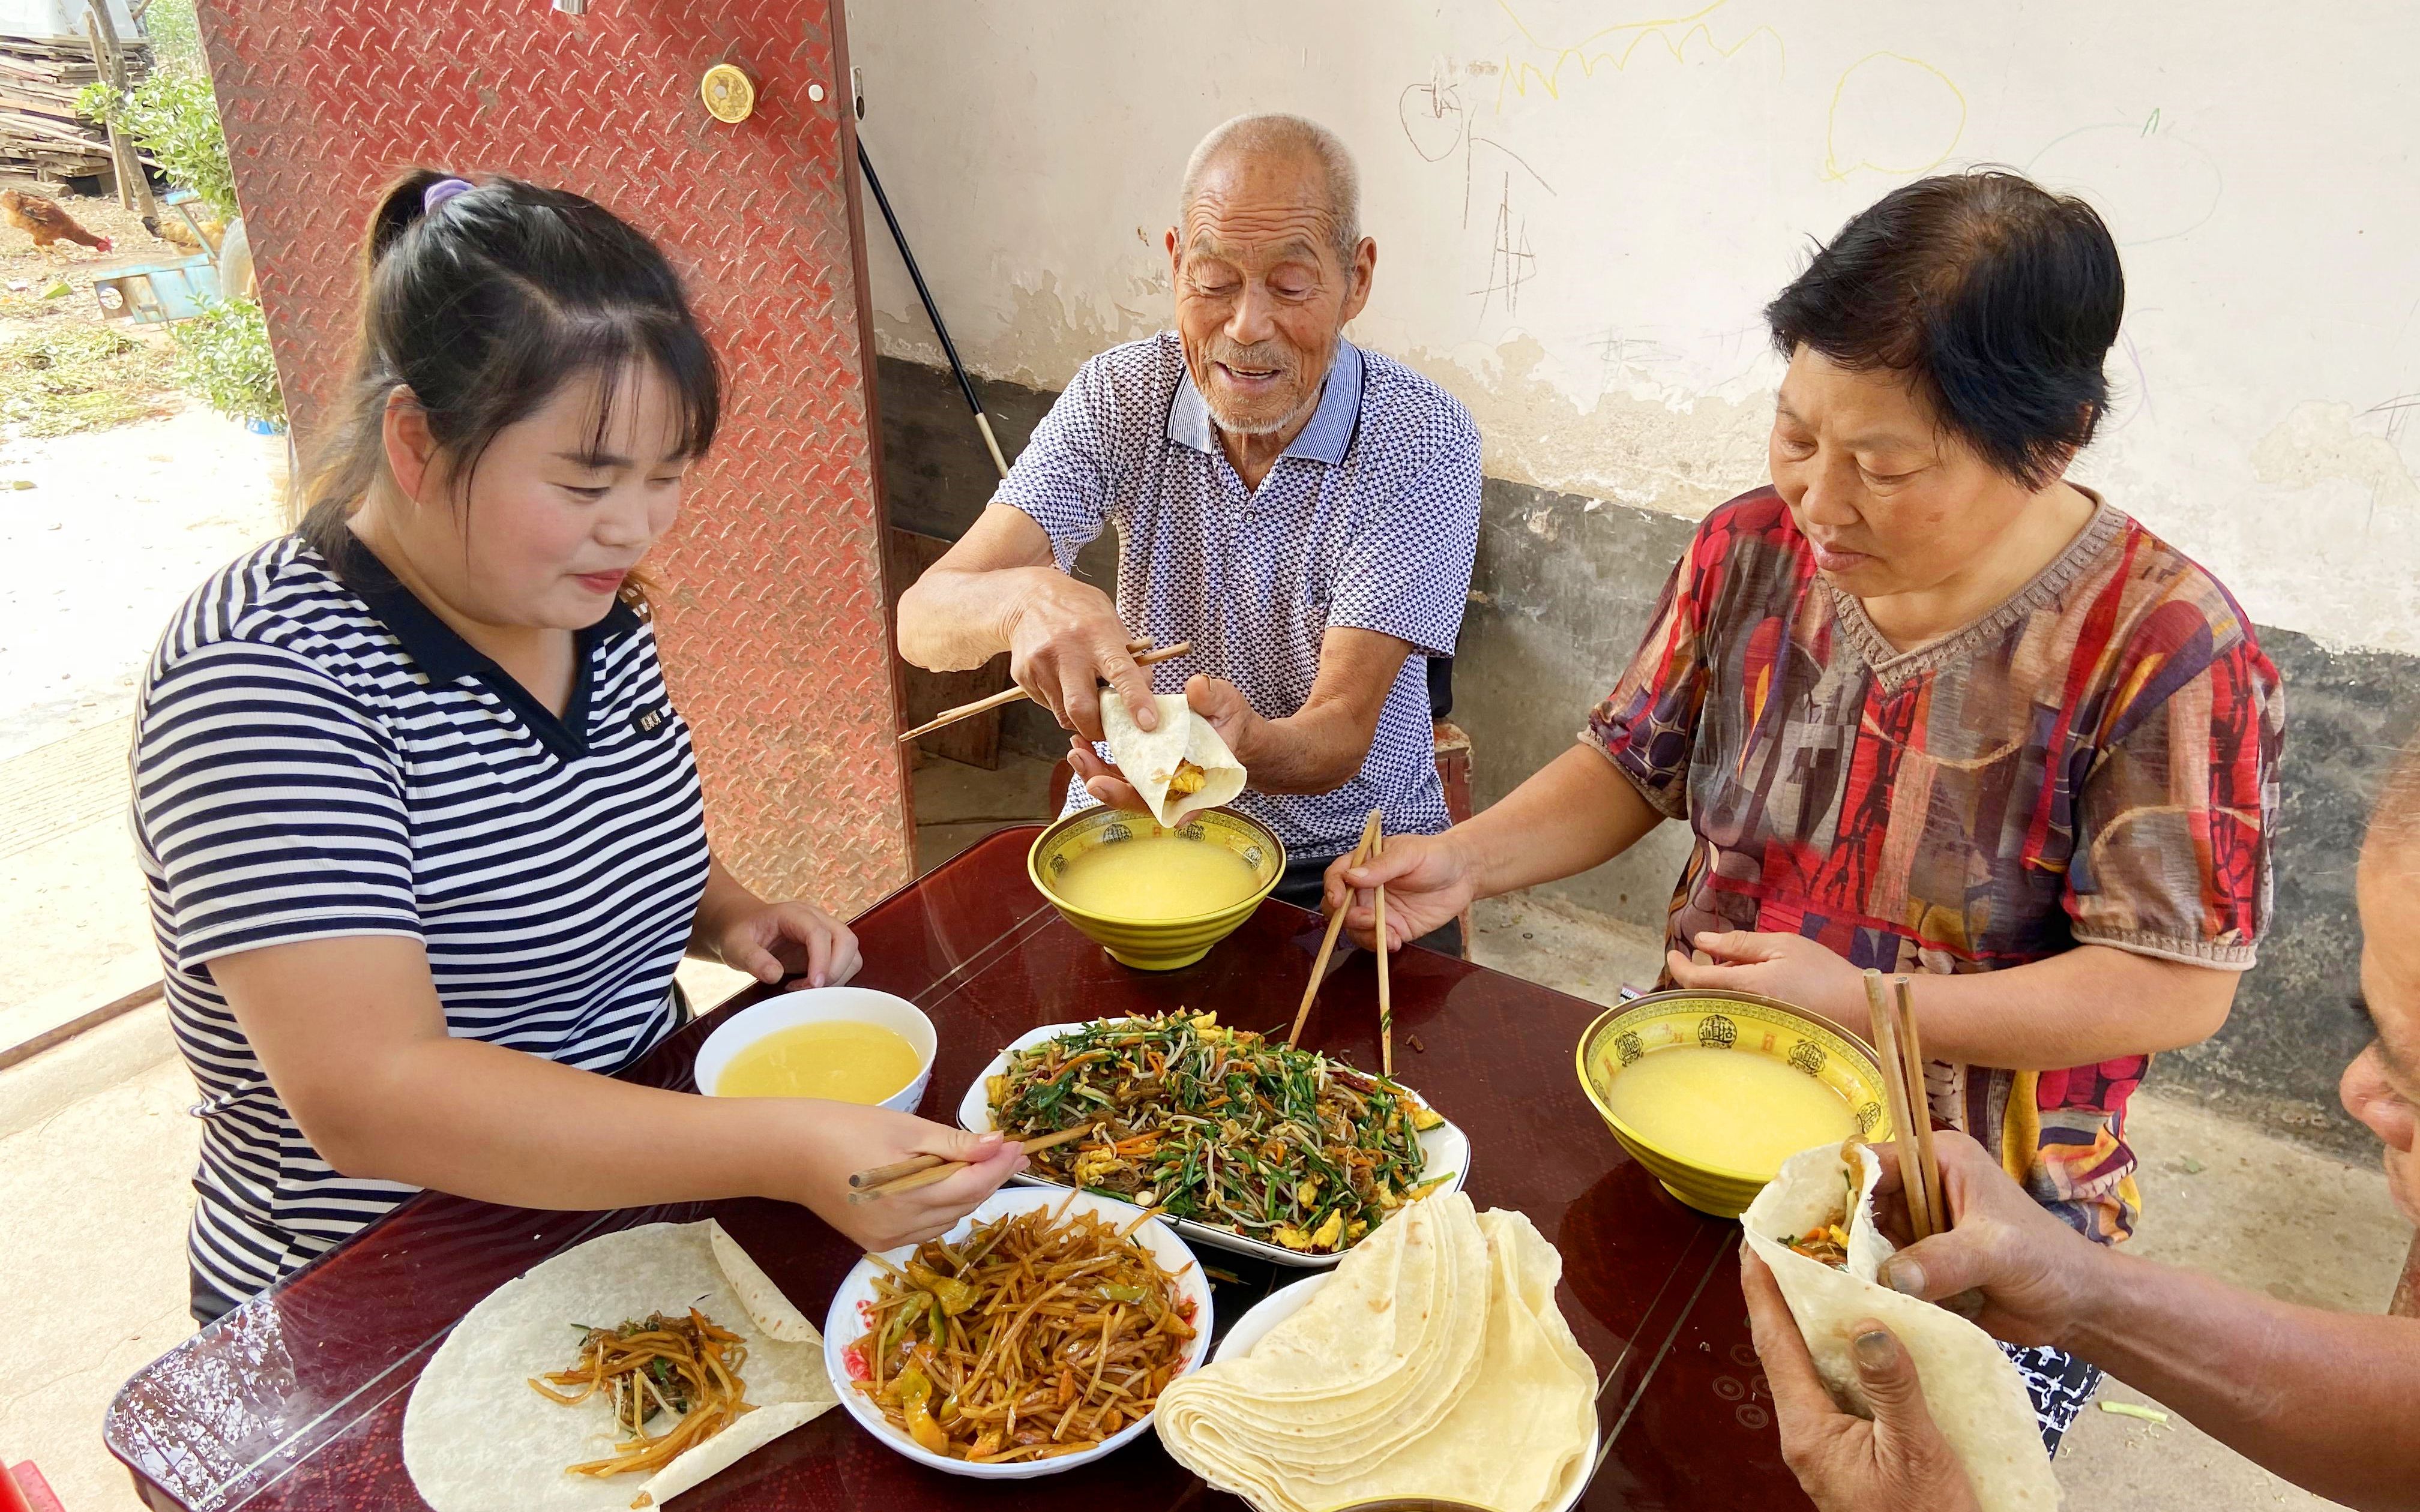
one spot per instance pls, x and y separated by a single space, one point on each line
1335 926
866 1189
1385 1000
1910 1045
882 1174
1143 657
1893 1070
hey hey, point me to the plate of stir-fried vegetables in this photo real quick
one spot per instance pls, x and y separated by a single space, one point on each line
1034 1337
1245 1143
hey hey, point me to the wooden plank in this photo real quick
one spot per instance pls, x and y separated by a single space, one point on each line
133 190
975 741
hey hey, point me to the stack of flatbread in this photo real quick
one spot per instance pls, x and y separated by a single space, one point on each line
1180 768
1974 1392
1433 1363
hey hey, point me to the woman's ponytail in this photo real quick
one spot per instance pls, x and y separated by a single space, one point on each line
405 202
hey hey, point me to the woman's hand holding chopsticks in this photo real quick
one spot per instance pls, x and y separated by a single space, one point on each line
1427 885
855 1138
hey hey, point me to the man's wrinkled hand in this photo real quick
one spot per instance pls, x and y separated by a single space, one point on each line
1063 642
1897 1462
2018 1271
1224 707
1102 779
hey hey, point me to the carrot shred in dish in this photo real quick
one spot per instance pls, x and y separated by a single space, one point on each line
1035 1335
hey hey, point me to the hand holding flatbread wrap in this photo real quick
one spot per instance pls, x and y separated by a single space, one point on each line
476 1437
1813 1226
1181 767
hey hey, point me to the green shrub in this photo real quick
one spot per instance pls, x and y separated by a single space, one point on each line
176 36
172 114
222 357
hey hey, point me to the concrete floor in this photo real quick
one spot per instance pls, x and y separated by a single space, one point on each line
957 805
95 1153
115 529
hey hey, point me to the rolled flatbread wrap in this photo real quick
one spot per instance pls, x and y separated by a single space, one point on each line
1973 1391
1180 768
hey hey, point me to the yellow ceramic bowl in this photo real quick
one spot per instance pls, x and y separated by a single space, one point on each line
1155 944
1746 1024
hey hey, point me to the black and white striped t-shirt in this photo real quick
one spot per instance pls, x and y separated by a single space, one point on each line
317 757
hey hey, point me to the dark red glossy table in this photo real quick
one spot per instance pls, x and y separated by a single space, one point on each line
295 1400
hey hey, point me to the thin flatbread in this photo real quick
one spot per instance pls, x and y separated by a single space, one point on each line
1974 1392
477 1439
1433 1363
1151 759
772 1311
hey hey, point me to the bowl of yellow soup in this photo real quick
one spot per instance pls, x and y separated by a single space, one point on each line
1713 1090
850 1044
1154 896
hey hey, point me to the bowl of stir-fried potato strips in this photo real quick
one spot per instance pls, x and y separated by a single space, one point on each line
1032 1337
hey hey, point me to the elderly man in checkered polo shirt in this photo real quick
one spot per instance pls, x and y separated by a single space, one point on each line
1302 511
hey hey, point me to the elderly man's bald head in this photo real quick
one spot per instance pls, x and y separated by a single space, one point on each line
1283 138
2395 824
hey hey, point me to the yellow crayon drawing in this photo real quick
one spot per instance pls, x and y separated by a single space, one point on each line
1888 97
1614 45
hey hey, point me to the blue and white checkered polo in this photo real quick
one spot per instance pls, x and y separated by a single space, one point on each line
1368 520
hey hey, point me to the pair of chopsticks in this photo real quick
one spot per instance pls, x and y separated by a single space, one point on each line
1372 847
923 1170
1900 1051
1141 650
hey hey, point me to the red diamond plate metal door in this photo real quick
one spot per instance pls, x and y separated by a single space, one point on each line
772 606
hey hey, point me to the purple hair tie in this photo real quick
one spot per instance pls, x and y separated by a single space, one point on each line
441 191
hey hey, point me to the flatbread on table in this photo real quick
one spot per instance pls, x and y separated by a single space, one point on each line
1972 1389
1433 1363
477 1439
1150 758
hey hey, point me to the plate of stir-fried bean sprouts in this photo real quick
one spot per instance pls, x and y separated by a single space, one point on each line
1035 1335
1245 1143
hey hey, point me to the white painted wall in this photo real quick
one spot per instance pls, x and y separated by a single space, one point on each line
1580 209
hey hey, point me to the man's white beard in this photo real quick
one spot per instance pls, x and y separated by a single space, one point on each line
1262 427
1234 427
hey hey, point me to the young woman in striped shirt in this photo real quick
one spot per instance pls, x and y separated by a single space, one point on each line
422 830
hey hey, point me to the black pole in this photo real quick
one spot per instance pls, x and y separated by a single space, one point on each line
932 311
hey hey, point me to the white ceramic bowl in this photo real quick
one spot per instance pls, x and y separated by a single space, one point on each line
845 1324
815 1005
1445 1150
1285 1302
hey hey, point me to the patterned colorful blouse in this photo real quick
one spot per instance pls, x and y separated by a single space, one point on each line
2092 762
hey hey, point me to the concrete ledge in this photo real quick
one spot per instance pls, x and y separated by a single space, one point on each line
106 1055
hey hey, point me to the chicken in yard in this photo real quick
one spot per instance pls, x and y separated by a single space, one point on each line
178 232
45 221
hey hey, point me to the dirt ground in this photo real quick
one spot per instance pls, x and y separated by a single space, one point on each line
64 368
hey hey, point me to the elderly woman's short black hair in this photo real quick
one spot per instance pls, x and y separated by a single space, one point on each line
1997 300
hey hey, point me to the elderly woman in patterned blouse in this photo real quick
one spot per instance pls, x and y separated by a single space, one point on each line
1301 511
1931 708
